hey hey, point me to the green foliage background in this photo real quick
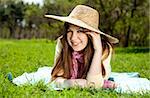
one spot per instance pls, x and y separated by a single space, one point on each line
128 20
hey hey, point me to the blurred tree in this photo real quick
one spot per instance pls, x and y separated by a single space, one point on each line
124 19
33 18
128 20
11 15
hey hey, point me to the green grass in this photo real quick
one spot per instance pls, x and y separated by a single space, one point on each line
19 56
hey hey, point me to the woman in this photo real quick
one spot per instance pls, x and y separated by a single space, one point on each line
84 57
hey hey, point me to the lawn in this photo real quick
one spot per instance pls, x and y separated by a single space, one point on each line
19 56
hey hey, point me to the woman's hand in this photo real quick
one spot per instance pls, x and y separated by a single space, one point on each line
75 82
96 38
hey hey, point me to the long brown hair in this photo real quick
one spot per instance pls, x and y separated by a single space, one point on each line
64 61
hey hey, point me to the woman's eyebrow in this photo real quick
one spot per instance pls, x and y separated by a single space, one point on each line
81 28
84 29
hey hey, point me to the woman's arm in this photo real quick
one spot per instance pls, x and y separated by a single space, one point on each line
62 82
95 72
67 83
76 82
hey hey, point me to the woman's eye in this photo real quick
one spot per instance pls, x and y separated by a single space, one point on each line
80 31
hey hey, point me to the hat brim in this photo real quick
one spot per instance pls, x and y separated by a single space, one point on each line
82 24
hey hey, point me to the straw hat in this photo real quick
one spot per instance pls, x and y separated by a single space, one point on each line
85 17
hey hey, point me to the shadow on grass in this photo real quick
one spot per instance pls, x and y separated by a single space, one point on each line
133 50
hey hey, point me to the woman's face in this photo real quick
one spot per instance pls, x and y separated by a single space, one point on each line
77 38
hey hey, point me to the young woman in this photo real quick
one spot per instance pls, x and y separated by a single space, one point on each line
82 57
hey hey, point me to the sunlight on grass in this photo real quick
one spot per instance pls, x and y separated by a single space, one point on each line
19 56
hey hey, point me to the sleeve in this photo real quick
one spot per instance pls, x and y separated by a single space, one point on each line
107 65
58 49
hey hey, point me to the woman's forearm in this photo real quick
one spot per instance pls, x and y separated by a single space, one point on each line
95 72
61 82
76 82
95 67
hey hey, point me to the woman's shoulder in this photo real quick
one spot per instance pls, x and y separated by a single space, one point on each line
60 37
59 44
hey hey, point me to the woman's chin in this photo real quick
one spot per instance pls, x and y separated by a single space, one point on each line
78 49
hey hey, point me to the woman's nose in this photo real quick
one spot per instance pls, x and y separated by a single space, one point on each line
74 36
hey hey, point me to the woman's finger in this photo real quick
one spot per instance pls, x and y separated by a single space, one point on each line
93 34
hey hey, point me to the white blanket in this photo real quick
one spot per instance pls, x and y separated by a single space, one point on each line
127 82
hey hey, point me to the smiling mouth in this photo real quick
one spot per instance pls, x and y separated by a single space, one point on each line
75 44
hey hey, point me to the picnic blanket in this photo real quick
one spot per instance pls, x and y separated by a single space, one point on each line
128 82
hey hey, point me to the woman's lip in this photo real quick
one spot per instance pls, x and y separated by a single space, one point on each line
75 44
